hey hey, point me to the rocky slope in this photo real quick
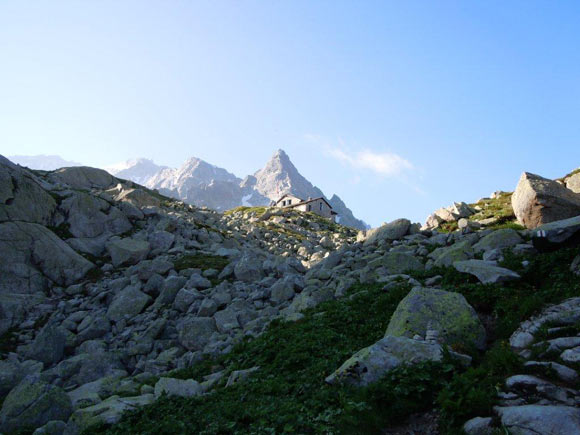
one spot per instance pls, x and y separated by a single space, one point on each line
204 185
126 311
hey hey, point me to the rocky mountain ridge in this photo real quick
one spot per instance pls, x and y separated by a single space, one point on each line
120 306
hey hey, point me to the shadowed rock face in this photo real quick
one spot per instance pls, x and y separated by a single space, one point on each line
538 201
21 196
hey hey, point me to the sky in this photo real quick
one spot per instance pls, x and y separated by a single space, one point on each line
398 107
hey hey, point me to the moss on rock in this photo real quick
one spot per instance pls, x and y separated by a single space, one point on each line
447 312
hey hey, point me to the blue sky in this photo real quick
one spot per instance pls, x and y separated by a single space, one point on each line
398 107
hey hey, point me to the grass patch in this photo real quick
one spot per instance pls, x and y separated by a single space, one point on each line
62 231
258 211
499 208
201 261
8 341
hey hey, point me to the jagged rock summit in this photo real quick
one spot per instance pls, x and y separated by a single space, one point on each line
204 185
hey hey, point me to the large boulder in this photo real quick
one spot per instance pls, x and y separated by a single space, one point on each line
126 252
128 303
390 231
21 196
486 272
83 178
372 363
33 403
538 201
448 313
195 332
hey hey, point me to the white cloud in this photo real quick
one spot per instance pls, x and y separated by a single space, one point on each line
384 164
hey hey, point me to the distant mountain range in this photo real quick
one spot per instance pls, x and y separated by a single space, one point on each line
43 162
204 185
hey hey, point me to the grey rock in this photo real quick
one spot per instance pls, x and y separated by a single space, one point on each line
128 303
199 282
486 272
84 367
89 216
195 332
571 355
97 327
538 201
22 197
394 230
282 291
398 262
33 403
564 373
479 426
575 266
446 312
573 183
125 252
372 363
53 427
499 239
171 287
161 240
48 346
240 375
207 308
226 320
446 256
12 372
83 178
177 387
556 233
248 269
537 419
107 412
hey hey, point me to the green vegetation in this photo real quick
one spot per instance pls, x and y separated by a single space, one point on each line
574 172
258 211
62 231
288 393
201 261
8 342
499 208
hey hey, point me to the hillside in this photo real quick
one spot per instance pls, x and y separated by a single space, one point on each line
127 311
